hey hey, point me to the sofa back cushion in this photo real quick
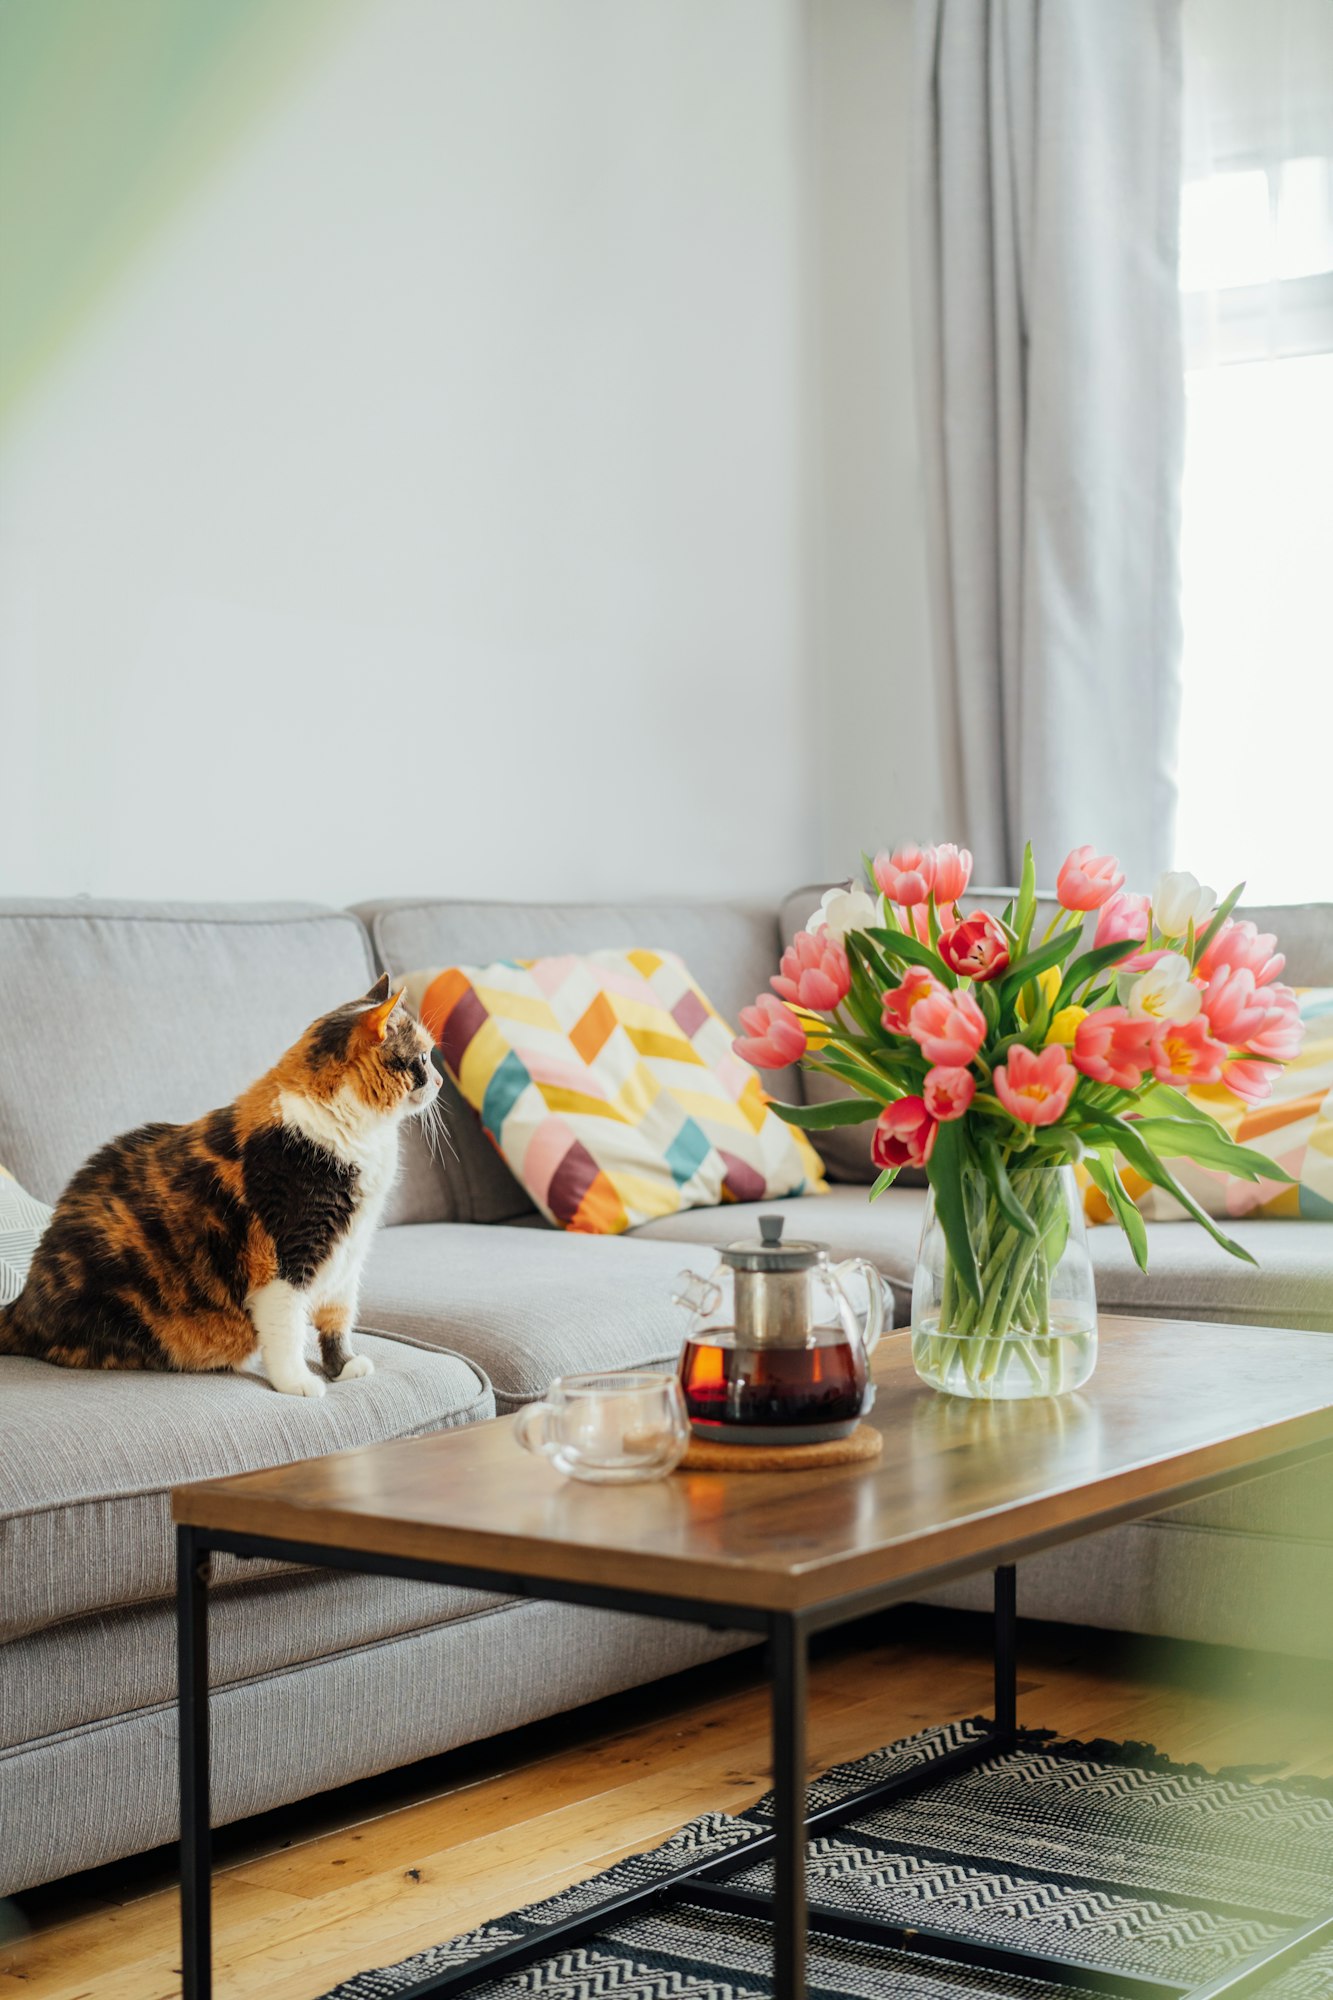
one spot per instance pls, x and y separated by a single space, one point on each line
1304 931
730 948
120 1013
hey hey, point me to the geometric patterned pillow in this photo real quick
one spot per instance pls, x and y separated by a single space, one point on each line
1294 1128
609 1084
22 1221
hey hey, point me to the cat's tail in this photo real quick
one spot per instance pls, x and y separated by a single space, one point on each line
11 1335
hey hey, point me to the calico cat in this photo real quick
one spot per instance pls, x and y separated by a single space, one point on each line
189 1246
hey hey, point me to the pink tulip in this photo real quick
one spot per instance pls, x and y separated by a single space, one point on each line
1252 1081
947 1027
773 1036
916 920
1235 1008
899 1004
1242 947
904 1134
1143 961
948 1092
814 973
1283 1032
1111 1047
977 947
907 875
1035 1089
1183 1053
953 872
1087 880
1123 920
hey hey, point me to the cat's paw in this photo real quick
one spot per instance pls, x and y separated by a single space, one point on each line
304 1384
355 1367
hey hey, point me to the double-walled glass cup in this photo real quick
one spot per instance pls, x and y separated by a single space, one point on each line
608 1429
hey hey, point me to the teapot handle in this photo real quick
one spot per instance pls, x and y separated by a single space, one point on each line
872 1325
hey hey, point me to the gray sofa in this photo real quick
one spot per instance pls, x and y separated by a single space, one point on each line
120 1013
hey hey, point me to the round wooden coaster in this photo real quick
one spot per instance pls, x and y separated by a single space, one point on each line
703 1455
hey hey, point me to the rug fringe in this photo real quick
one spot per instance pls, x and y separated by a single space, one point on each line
1147 1757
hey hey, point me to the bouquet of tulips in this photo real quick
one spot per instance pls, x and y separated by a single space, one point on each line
984 1053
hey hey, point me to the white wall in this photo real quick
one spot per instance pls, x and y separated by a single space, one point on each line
881 772
488 478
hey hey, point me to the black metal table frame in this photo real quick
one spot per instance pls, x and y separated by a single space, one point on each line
706 1882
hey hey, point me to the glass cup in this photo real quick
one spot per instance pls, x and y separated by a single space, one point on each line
608 1429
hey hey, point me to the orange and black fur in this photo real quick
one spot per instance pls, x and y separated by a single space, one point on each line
189 1246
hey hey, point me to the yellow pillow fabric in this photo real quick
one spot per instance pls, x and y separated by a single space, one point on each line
1294 1129
608 1082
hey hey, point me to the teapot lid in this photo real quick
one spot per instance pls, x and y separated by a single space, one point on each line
770 1253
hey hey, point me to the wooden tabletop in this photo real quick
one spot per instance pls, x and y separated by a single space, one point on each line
1174 1409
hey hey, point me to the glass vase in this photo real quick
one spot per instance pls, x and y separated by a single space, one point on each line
1034 1330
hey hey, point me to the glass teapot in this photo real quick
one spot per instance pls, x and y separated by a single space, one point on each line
776 1352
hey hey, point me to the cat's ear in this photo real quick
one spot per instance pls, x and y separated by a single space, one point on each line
380 990
375 1022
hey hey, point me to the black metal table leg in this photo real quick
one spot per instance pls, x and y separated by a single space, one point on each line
193 1563
1006 1652
787 1668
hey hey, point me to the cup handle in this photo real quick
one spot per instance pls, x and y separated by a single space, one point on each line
532 1429
872 1326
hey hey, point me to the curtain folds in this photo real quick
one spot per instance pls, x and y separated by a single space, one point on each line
1046 166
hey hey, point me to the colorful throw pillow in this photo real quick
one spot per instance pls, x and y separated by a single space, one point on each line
22 1221
609 1084
1294 1128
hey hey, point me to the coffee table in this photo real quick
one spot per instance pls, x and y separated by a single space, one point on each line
1174 1410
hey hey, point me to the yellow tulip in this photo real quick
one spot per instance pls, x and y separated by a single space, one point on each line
1065 1026
818 1033
1049 984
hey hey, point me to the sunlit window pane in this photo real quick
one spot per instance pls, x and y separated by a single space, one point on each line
1256 755
1303 230
1226 232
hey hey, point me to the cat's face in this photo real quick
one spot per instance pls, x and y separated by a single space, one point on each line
374 1051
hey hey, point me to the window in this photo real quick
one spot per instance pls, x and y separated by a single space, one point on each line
1256 272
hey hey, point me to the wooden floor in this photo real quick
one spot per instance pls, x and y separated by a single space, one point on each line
310 1895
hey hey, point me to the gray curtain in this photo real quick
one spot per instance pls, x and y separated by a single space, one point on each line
1046 202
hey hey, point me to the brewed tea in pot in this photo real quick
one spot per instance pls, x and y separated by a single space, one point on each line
776 1352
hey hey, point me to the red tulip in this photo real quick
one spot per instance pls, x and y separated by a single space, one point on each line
904 1134
977 947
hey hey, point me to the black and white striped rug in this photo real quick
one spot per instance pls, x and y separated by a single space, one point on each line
1105 1853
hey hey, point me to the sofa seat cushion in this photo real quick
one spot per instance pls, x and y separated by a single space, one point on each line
527 1305
169 1010
114 1663
1188 1276
88 1795
88 1459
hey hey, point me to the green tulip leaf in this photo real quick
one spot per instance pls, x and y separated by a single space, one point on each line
1209 1146
945 1171
1101 1170
823 1117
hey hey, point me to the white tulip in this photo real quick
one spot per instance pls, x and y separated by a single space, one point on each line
1165 992
1179 900
844 910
